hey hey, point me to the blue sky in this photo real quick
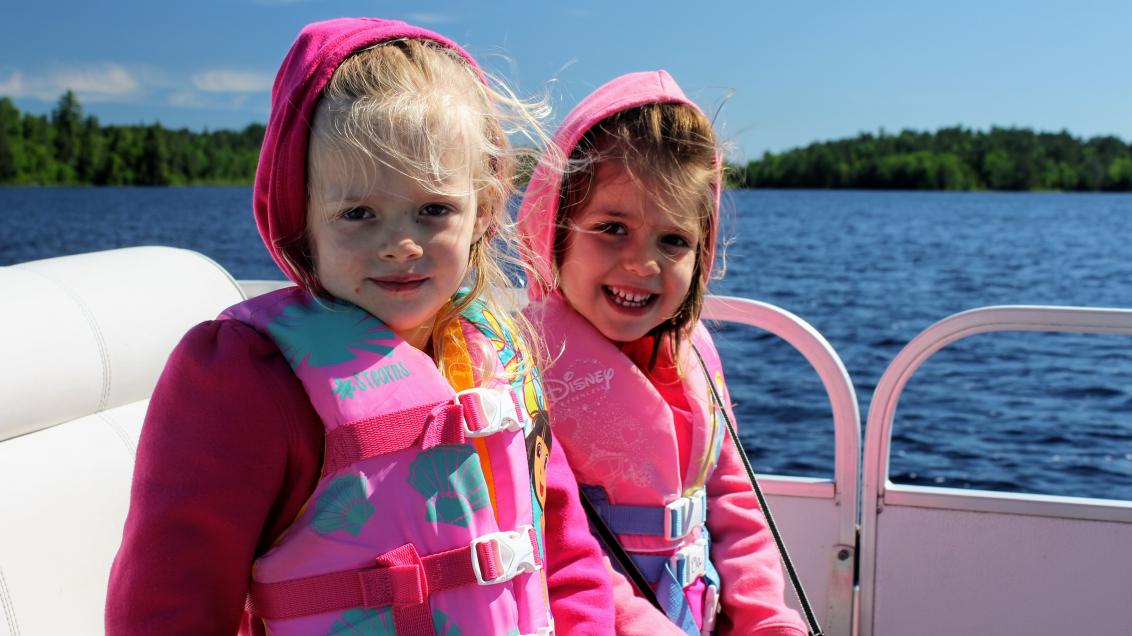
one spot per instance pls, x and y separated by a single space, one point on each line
787 72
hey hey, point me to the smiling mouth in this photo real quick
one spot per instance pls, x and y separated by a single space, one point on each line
627 298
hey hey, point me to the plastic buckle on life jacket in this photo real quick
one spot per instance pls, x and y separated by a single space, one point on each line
711 610
514 554
683 515
490 410
690 562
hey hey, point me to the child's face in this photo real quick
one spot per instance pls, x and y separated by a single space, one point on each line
385 242
628 263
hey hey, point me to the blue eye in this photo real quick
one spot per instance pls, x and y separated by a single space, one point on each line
357 214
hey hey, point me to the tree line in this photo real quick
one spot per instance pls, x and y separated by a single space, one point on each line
949 159
70 149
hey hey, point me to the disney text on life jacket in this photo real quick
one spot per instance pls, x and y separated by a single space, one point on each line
589 378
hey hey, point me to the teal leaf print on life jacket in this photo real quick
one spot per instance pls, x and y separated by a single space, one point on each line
451 481
342 506
441 626
364 622
324 333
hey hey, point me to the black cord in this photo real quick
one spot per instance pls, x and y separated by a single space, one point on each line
814 627
607 538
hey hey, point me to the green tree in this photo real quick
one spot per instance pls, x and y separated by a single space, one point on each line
154 158
67 119
953 158
1118 177
38 165
9 140
92 152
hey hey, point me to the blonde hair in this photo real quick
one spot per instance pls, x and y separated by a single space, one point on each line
415 105
672 149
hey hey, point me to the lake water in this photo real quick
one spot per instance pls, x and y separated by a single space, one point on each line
1046 413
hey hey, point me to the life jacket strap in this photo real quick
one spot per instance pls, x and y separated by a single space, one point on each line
422 426
510 554
673 522
490 411
472 413
687 564
401 579
684 515
673 573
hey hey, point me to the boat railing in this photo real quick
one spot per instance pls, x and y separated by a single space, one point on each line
818 516
950 561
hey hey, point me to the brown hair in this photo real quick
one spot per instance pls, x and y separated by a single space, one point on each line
672 149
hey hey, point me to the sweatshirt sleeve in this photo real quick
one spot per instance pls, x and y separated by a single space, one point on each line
744 553
229 451
576 575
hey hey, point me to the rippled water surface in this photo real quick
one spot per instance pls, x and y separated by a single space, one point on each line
1048 413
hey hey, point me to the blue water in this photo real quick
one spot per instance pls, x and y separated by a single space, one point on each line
1044 413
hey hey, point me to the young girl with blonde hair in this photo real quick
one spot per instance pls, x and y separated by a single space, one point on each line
350 455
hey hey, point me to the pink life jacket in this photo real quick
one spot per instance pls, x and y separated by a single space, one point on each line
425 518
619 436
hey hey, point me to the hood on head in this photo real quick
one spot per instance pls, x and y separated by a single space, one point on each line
280 196
539 209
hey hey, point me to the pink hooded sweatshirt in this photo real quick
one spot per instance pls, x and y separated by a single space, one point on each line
231 447
743 550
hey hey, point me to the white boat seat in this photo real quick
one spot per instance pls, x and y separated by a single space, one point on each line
84 339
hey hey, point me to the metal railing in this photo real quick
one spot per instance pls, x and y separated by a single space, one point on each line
842 491
878 491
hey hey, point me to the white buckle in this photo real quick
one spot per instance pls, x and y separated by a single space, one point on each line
516 554
498 409
711 609
690 562
691 512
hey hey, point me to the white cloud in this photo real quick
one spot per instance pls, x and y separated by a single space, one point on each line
108 82
430 18
13 86
96 83
213 101
189 99
217 89
231 81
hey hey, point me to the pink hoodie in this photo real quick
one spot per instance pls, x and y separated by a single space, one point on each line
231 448
743 550
539 210
280 198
